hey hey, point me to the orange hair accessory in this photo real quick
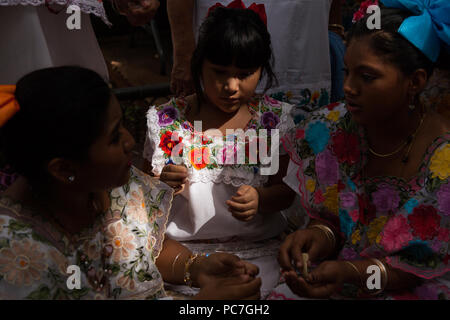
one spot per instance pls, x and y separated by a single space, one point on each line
8 103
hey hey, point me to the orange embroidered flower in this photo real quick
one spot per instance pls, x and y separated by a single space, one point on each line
121 240
23 263
199 157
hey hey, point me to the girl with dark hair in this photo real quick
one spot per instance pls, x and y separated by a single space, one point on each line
224 203
80 204
374 172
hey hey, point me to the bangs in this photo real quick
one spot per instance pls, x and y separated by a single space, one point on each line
243 50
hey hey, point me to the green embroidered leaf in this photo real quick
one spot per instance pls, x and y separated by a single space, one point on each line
115 268
116 292
42 293
160 196
144 276
77 294
17 225
4 243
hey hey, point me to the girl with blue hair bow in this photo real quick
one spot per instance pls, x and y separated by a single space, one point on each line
377 186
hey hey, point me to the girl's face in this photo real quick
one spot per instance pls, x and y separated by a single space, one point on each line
110 155
227 87
375 90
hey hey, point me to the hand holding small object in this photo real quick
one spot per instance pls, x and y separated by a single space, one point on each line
244 204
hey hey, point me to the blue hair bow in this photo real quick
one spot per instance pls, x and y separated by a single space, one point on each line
428 27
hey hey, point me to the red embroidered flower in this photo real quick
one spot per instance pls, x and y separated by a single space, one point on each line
331 106
425 222
367 210
167 142
345 146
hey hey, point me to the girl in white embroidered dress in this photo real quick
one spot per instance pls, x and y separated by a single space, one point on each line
219 200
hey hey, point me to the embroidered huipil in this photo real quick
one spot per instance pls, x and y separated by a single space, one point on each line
200 211
405 221
116 256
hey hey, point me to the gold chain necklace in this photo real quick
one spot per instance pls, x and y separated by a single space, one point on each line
404 144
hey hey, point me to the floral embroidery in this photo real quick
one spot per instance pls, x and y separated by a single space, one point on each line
348 199
346 147
347 223
317 135
126 282
167 143
60 260
22 263
439 163
269 120
386 198
410 205
151 240
121 239
395 234
333 116
443 196
356 236
331 199
425 222
199 157
2 222
327 168
375 227
310 185
136 207
300 134
167 116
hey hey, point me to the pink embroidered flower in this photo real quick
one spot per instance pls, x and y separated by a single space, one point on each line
299 134
354 214
121 240
60 260
348 199
425 222
22 263
327 168
136 207
272 101
126 282
443 234
318 197
228 155
443 197
395 234
386 198
91 249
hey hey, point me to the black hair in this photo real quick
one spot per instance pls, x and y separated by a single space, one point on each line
233 36
390 44
62 112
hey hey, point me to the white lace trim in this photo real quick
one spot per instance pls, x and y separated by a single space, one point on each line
87 6
228 175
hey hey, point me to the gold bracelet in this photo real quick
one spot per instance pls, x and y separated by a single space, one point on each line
187 273
357 271
384 277
328 232
173 263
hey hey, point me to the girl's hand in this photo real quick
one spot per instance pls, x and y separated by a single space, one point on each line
244 205
221 266
312 241
327 279
175 176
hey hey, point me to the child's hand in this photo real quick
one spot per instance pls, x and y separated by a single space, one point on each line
175 176
244 204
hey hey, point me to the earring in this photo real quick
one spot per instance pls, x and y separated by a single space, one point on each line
71 178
